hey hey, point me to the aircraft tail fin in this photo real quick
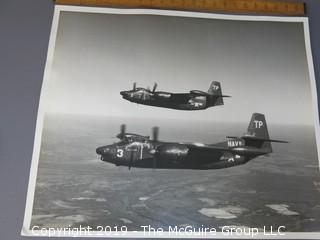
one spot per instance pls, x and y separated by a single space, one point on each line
216 92
257 134
215 88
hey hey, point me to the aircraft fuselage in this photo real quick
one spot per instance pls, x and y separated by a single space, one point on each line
169 156
140 151
165 100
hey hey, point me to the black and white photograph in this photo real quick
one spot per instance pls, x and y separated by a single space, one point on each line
155 120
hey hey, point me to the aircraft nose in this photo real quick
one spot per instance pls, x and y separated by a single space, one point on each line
99 150
123 93
106 153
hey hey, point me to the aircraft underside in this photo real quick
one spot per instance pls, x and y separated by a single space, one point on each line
174 105
185 163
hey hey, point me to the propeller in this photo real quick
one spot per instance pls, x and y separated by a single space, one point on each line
122 133
155 134
154 87
134 86
131 160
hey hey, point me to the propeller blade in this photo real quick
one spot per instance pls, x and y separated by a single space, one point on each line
122 131
155 134
154 87
134 86
131 160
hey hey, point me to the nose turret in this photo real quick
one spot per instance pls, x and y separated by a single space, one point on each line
99 150
124 93
106 153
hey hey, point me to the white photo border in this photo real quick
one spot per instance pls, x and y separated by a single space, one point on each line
26 231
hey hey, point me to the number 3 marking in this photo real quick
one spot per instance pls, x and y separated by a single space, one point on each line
119 153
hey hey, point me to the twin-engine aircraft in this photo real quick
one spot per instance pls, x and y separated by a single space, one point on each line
194 100
138 151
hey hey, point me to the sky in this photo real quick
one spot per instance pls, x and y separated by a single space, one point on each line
262 65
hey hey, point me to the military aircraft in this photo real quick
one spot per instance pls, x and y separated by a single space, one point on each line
139 151
194 100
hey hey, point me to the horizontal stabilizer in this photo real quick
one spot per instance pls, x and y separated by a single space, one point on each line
259 139
265 140
222 96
